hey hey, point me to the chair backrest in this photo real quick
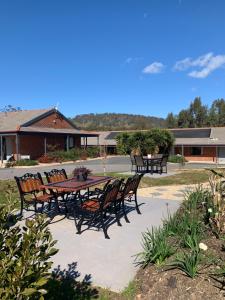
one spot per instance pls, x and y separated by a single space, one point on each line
110 194
164 160
56 175
132 158
158 156
29 183
131 185
139 160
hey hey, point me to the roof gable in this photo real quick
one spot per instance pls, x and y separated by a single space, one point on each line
12 121
51 119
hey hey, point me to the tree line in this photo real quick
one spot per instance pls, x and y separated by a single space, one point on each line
198 115
116 121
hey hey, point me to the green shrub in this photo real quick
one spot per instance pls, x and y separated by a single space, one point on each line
93 152
195 198
24 257
73 154
187 262
26 162
10 164
45 159
61 155
170 225
147 142
177 159
155 247
186 227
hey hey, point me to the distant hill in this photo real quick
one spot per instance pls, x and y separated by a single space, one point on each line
114 121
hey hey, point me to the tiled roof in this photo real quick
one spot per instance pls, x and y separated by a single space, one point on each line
19 120
183 136
11 121
58 130
216 136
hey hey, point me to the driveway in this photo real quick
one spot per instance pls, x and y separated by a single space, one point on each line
110 263
111 164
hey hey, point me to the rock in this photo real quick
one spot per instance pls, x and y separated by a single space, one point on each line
172 282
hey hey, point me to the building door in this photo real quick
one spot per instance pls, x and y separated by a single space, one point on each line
221 155
9 148
3 148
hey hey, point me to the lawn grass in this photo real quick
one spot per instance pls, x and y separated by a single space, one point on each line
128 293
183 177
8 187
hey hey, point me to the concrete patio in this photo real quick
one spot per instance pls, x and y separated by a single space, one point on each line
109 262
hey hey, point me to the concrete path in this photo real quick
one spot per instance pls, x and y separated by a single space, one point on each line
109 262
169 192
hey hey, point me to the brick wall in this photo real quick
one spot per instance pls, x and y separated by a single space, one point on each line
208 154
77 141
33 145
53 121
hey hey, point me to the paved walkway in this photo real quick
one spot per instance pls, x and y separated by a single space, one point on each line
109 262
169 192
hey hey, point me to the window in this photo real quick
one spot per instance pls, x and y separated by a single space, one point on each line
71 142
196 150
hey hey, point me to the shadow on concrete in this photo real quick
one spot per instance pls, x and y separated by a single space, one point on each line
64 284
109 219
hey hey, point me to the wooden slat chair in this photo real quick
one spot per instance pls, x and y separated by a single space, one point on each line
133 163
31 193
161 164
95 209
97 192
141 165
128 192
56 175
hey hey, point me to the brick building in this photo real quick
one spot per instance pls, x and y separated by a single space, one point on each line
196 144
200 144
29 133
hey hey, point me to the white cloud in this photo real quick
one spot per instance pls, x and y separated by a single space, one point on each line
215 63
130 60
154 68
207 64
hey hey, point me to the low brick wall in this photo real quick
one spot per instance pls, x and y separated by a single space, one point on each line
208 153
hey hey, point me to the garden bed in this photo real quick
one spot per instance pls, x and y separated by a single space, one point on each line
184 259
158 283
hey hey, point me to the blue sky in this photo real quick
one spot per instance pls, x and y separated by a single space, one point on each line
142 57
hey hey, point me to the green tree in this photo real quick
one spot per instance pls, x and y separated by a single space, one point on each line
217 113
9 108
148 141
114 121
183 119
171 121
198 113
123 143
